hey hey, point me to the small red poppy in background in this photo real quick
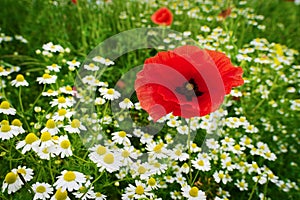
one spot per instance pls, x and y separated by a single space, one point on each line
225 13
74 1
186 81
162 16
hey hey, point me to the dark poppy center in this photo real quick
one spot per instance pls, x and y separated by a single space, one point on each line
189 89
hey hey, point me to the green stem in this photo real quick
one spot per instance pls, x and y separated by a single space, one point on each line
36 100
92 184
253 189
50 169
189 152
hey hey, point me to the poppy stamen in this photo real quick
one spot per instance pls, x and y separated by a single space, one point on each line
189 90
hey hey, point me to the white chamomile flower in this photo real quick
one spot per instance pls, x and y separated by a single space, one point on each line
42 190
16 125
6 109
53 48
193 193
62 114
50 127
178 153
25 172
100 101
75 126
126 104
47 79
60 194
121 137
46 140
50 93
64 146
67 90
91 67
99 196
70 180
109 94
139 190
6 131
31 142
12 182
54 67
202 164
62 102
19 81
72 64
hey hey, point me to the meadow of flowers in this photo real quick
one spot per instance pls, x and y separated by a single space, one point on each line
149 99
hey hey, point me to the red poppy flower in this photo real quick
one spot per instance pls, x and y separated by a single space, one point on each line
187 81
162 16
74 1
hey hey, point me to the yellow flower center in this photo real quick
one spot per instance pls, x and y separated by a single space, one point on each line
65 144
185 165
68 88
268 154
110 91
16 122
194 145
151 181
4 105
254 165
157 148
20 78
50 124
62 112
126 100
31 138
178 152
98 194
74 61
75 123
82 189
92 65
46 136
40 189
201 163
1 69
223 156
69 176
4 122
61 100
247 141
237 147
50 91
101 150
5 128
142 170
242 184
46 76
54 65
194 191
228 164
59 195
122 134
109 158
125 154
139 190
45 150
10 178
221 175
21 171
